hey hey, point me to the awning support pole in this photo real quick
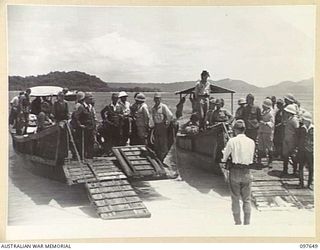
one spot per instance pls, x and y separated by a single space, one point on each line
232 103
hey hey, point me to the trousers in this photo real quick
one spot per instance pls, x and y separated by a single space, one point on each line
160 140
240 187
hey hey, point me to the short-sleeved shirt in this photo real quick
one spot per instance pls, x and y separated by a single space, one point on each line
161 113
202 89
252 116
141 114
221 115
290 129
125 107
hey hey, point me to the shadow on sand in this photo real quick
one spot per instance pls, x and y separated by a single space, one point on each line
191 171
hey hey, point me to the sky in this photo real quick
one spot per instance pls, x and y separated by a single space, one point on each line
260 45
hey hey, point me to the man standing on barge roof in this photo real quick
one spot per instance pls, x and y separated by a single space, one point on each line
202 94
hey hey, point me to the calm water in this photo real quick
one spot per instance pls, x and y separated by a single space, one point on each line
103 98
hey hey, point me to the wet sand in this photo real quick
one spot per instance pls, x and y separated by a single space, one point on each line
196 205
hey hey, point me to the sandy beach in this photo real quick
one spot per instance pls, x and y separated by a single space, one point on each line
196 205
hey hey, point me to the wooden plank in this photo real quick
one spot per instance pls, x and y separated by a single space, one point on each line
139 162
266 183
267 188
143 167
126 168
272 193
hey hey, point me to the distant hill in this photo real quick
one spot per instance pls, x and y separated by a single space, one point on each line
304 86
85 82
74 80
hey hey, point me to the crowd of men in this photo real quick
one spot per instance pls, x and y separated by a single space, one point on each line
281 128
122 123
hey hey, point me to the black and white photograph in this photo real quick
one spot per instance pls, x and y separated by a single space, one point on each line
160 121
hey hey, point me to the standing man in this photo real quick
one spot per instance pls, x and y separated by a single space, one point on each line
252 117
278 129
265 132
290 137
84 126
140 124
202 94
240 111
241 149
161 118
24 110
111 115
14 111
60 108
125 121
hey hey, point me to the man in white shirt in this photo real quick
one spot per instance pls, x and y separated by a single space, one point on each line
241 149
161 118
202 94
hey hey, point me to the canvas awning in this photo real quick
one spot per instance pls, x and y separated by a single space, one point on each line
214 89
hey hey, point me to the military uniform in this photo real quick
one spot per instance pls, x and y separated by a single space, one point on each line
252 117
265 132
125 122
202 92
161 117
60 110
111 116
84 116
141 117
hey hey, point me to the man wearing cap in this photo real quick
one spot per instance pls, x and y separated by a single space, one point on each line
220 114
60 108
239 113
252 117
288 99
140 123
84 125
125 122
241 149
278 129
161 116
265 132
290 137
202 93
305 148
209 122
111 116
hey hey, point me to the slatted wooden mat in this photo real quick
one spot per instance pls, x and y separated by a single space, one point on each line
271 191
139 162
108 189
116 199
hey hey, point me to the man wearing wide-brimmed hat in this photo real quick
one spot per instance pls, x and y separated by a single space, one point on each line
278 129
290 137
241 149
161 116
202 94
305 148
140 120
125 121
240 111
60 108
252 117
111 116
265 132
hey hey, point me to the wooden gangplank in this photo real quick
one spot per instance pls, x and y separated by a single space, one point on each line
139 162
108 189
273 191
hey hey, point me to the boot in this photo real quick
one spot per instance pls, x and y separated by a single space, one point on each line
246 219
285 167
237 219
270 157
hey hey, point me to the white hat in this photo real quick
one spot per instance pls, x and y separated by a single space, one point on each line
122 94
291 108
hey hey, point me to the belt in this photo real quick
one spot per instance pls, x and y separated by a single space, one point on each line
240 166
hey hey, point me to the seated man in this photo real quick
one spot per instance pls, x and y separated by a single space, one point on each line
220 114
192 126
44 120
